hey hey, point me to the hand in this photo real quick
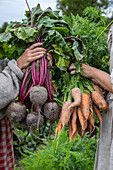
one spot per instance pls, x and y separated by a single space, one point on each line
50 59
34 52
87 70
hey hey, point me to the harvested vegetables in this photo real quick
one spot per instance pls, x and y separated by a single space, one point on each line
52 83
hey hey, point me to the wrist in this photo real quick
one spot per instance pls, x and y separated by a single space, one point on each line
19 64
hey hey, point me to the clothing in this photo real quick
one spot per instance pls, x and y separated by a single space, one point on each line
6 145
104 153
10 79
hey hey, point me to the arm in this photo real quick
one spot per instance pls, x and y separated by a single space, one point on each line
101 77
11 76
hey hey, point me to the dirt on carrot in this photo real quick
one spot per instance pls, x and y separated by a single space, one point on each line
99 100
97 111
85 105
74 120
76 95
97 88
66 113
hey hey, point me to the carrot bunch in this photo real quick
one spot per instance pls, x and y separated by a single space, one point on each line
80 113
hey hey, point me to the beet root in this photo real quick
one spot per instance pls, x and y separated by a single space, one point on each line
34 120
38 95
16 111
51 111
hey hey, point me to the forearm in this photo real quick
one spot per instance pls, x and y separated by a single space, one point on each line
101 77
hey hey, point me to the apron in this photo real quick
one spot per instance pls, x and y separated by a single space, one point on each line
104 153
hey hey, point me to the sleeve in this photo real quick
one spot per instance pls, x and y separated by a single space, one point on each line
111 78
10 80
110 39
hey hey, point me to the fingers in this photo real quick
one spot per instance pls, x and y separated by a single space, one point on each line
35 45
38 50
72 67
50 58
37 53
73 72
35 58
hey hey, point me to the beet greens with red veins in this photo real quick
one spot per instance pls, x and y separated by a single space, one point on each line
55 34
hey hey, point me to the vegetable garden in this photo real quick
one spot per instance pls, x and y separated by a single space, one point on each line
55 109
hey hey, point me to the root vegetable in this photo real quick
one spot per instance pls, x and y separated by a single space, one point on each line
51 111
82 119
38 95
97 111
97 88
76 94
66 113
16 111
74 119
99 100
85 105
70 130
32 120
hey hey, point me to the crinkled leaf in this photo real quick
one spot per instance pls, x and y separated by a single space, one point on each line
77 54
25 33
6 36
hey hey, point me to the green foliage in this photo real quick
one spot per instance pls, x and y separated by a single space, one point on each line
88 28
62 154
76 7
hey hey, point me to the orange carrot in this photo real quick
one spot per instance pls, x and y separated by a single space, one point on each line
75 134
92 119
59 128
90 127
85 105
66 113
82 119
97 88
99 101
97 111
74 119
79 127
70 129
76 94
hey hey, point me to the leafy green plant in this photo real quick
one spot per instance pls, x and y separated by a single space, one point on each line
62 154
88 28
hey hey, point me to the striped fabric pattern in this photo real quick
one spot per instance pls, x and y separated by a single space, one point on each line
6 145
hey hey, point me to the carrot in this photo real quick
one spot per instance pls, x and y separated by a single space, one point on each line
90 127
58 127
74 119
66 113
70 129
82 119
99 101
76 94
79 127
92 119
85 105
75 134
97 111
97 88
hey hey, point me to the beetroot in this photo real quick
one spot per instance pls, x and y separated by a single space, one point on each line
16 111
38 95
34 120
51 111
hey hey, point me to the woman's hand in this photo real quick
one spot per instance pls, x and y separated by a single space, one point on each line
34 52
88 71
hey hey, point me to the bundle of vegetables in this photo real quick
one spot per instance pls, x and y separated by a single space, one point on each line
37 90
83 100
41 78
